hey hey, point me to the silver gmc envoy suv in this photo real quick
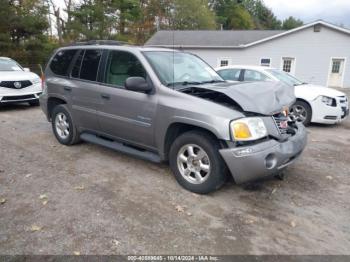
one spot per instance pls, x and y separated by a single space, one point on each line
166 105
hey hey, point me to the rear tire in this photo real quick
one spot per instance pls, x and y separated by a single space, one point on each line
196 163
63 126
301 111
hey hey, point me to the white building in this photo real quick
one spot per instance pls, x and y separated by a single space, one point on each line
317 53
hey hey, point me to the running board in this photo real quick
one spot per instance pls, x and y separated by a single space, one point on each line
146 155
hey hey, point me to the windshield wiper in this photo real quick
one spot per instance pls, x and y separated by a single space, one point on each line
212 81
184 83
303 83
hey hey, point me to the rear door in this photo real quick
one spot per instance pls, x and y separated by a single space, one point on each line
85 91
124 114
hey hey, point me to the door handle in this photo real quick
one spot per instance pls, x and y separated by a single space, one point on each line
105 96
67 88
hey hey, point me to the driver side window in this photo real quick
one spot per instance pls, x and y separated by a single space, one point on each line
122 65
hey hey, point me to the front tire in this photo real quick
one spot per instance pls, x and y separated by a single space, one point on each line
63 126
196 162
301 111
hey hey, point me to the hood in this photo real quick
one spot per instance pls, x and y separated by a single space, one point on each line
313 91
17 76
264 98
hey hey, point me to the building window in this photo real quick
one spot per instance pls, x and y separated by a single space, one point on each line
265 61
288 64
224 62
336 67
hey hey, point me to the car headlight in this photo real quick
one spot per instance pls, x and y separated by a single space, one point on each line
247 129
35 81
328 101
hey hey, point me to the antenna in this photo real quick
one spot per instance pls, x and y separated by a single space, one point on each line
173 59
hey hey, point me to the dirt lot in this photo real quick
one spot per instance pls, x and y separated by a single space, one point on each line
88 199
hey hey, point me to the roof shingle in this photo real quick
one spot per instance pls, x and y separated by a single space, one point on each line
225 38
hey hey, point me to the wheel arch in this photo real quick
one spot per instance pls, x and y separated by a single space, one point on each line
176 129
307 102
52 102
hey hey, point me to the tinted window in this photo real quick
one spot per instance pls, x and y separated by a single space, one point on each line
90 65
252 75
230 74
122 65
77 64
60 63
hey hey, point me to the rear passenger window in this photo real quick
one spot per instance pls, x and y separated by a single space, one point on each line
77 64
90 64
122 65
61 61
252 75
230 74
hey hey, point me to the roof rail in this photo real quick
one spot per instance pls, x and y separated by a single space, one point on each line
99 42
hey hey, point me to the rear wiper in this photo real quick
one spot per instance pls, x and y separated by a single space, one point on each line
185 83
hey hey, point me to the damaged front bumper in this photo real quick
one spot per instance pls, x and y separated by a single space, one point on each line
267 158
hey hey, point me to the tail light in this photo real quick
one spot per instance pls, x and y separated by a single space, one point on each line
42 81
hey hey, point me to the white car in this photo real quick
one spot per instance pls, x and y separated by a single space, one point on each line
17 84
316 104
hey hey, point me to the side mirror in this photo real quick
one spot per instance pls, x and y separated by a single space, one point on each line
138 84
26 69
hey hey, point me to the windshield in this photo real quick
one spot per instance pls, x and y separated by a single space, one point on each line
9 65
177 68
285 77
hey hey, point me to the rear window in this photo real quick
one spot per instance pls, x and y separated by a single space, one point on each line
90 64
61 61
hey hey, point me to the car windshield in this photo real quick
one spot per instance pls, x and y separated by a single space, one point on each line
9 65
285 77
176 69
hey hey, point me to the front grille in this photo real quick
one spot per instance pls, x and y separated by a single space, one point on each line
15 84
343 99
17 98
345 111
281 122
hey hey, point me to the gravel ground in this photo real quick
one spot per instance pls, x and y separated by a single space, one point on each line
90 200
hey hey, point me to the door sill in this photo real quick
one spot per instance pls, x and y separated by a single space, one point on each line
120 147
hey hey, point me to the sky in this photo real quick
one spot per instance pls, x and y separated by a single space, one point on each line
333 11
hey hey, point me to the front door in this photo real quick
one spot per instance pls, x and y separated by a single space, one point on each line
124 114
335 78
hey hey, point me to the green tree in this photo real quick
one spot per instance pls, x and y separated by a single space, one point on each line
154 15
291 22
194 15
90 20
262 15
231 14
23 31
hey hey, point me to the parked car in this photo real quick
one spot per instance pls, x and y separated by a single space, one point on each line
166 105
17 84
316 104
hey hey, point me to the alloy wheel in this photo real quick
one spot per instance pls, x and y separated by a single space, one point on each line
62 125
193 163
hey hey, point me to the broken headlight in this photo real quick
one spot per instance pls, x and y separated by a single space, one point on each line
328 101
247 129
